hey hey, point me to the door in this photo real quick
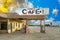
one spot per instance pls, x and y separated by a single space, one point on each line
3 25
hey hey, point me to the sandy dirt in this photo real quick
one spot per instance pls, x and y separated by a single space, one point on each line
52 33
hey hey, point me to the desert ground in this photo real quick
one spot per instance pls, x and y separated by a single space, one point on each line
52 33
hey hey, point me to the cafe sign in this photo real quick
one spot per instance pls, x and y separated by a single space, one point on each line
32 11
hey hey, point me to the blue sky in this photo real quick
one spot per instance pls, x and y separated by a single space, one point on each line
51 4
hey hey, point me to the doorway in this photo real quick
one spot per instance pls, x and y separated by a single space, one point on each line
3 25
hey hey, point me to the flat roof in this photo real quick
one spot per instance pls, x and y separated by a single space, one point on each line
24 17
33 17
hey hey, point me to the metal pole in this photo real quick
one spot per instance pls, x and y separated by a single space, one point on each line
40 25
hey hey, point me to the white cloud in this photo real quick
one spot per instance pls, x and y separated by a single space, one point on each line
49 20
30 5
55 11
37 22
21 1
46 11
59 1
56 23
11 8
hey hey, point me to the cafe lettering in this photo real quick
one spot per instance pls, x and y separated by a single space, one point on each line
32 11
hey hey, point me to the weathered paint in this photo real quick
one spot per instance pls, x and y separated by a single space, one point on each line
13 25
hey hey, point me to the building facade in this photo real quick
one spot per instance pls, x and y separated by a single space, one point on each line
10 24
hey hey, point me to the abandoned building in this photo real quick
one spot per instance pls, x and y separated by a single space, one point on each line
10 22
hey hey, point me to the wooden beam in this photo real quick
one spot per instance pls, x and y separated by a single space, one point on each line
8 26
42 27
